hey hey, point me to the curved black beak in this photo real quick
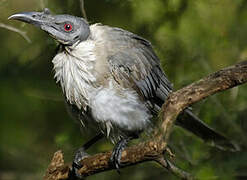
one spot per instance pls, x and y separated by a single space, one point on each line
34 18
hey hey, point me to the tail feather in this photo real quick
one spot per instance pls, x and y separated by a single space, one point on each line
190 122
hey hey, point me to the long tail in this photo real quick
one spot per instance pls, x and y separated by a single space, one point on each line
190 122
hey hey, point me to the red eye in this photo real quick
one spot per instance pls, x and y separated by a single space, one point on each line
67 27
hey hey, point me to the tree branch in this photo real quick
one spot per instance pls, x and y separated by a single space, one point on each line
183 98
11 28
42 4
173 169
83 9
154 149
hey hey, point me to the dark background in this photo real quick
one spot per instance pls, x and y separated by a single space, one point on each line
192 39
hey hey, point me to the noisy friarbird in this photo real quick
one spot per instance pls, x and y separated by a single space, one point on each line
112 82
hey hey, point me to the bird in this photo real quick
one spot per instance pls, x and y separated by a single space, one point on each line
112 82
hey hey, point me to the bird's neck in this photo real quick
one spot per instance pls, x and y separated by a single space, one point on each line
74 70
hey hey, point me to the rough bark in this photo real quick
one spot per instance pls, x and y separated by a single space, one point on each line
154 149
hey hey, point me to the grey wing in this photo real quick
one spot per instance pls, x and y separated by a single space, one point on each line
135 65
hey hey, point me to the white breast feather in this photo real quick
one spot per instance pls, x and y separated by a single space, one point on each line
74 70
119 108
111 105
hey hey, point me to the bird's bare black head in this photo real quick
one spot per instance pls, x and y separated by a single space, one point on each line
66 29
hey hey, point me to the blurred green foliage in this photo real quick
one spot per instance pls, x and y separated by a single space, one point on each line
193 38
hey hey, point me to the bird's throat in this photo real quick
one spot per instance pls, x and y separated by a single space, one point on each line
74 70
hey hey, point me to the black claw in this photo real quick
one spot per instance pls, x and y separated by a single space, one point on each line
74 174
76 165
80 155
117 153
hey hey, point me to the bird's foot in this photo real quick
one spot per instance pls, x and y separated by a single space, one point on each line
115 159
76 165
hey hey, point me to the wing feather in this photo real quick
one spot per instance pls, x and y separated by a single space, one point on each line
135 65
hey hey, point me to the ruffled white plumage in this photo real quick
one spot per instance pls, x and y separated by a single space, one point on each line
115 109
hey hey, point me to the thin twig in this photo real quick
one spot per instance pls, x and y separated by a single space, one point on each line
42 4
11 28
83 9
174 169
2 2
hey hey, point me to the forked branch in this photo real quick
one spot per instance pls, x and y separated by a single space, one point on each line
154 149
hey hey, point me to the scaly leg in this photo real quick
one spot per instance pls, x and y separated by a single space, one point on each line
117 151
81 154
